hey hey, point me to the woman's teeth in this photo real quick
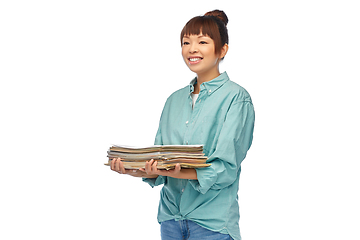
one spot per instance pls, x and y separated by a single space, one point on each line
194 59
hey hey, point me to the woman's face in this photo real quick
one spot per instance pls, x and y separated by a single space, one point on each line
199 55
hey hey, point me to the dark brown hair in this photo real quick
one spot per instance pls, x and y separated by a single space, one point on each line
212 24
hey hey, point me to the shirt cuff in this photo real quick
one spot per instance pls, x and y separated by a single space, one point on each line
154 181
206 178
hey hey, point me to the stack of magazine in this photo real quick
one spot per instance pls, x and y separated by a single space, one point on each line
167 156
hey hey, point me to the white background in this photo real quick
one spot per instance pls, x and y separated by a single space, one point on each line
77 76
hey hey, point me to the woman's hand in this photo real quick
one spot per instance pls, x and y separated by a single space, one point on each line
151 168
118 166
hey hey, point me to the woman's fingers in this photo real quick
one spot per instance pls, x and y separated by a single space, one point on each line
121 167
112 164
154 166
149 167
117 166
177 168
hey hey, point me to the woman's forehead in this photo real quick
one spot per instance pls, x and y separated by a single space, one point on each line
196 36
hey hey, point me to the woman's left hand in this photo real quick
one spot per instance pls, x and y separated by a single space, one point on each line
151 169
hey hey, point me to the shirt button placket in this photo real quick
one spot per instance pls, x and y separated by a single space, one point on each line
186 142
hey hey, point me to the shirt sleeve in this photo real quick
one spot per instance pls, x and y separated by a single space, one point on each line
233 143
155 181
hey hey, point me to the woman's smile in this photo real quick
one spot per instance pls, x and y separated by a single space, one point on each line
194 60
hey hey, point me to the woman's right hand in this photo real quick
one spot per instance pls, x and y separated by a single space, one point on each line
117 166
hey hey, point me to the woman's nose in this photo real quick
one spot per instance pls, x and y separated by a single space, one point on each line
193 49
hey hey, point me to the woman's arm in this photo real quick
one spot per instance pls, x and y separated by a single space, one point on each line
177 172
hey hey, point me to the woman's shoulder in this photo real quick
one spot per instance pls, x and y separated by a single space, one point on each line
180 93
236 91
178 96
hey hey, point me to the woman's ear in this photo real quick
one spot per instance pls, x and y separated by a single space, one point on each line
224 50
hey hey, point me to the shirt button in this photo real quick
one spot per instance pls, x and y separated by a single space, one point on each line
182 190
210 91
187 122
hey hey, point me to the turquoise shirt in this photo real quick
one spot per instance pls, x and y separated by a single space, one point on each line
223 121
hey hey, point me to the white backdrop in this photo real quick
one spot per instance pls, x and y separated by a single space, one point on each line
77 76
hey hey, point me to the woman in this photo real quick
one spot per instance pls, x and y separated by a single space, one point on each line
213 111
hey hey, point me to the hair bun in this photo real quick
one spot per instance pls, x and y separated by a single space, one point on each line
218 14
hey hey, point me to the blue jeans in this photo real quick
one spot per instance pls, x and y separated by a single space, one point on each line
188 230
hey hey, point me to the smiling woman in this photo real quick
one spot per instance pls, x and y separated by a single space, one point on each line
212 111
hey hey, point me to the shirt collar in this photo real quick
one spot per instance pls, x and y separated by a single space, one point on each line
210 86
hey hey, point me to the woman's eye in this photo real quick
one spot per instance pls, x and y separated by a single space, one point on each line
186 43
203 42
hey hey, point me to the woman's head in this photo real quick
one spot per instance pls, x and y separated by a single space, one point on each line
204 42
212 24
